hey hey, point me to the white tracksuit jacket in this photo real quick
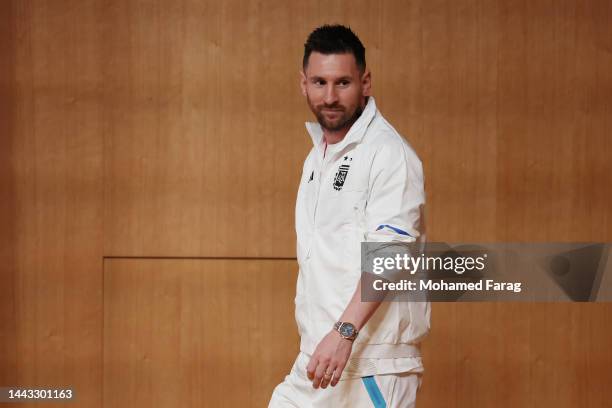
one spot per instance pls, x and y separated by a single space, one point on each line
368 187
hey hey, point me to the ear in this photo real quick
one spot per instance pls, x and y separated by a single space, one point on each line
303 82
366 83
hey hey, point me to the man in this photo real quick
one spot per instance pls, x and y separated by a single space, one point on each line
360 182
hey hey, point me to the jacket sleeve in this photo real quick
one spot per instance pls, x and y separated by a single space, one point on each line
394 209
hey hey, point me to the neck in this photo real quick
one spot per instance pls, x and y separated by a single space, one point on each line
333 137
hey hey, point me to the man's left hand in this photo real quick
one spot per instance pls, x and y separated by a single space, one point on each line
328 360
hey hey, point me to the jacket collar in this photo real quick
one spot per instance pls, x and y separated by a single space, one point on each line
354 135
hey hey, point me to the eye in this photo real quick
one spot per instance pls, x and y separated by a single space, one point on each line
344 83
319 82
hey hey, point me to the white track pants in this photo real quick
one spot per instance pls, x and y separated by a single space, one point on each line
388 390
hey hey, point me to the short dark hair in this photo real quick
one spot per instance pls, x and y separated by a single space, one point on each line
334 39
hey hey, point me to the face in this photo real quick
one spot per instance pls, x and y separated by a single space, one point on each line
335 89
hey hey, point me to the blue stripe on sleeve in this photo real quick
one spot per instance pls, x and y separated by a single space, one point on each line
394 229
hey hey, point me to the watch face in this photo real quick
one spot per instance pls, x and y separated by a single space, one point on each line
347 329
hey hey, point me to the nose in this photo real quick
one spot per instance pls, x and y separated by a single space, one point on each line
331 97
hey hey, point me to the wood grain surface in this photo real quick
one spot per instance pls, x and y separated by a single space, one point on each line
196 333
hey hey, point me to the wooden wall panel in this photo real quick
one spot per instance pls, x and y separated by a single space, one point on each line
8 206
490 94
197 332
517 355
52 243
205 132
554 120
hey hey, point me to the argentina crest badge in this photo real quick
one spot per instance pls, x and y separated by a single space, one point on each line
341 174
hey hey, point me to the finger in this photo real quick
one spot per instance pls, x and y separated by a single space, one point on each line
337 374
310 368
319 374
328 375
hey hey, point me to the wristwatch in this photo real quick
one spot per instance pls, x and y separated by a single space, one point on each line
346 330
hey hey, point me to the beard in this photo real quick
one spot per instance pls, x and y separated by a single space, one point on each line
344 119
